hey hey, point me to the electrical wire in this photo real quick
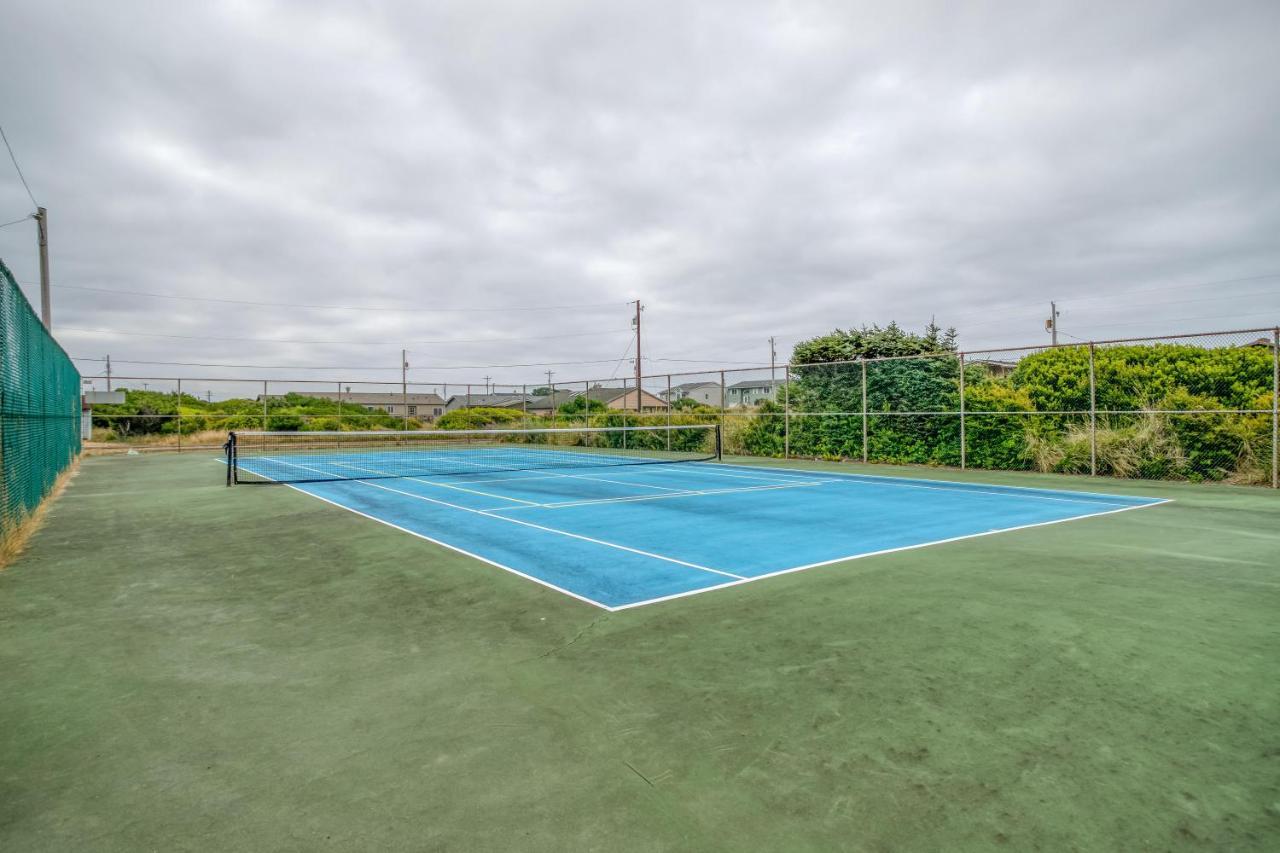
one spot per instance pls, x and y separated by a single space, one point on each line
339 307
301 367
18 168
359 343
623 358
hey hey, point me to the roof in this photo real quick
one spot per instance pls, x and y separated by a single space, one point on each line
491 401
551 401
606 394
758 383
361 398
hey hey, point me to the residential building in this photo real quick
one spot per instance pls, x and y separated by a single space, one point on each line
707 393
423 407
478 400
751 392
624 399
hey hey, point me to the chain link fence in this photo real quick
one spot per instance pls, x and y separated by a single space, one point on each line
1197 407
39 409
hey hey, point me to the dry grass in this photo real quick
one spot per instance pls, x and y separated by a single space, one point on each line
105 443
1123 451
14 536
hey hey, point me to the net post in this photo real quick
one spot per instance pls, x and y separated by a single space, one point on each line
179 415
668 412
1093 415
1275 408
786 412
264 405
863 361
230 448
962 414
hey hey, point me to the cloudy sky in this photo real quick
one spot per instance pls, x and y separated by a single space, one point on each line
745 169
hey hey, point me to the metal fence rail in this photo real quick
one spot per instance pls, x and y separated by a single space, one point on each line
1200 407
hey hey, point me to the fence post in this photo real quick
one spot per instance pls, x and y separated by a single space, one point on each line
722 406
1275 408
264 405
668 412
962 414
404 386
1093 416
864 410
179 415
786 412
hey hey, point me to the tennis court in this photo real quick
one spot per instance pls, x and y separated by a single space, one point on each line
621 526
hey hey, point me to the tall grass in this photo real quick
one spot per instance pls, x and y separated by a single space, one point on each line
15 533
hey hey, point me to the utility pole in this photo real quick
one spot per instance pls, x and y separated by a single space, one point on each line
1051 325
108 373
639 368
773 362
41 217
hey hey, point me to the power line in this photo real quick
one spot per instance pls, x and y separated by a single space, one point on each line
18 168
361 343
301 367
338 307
622 358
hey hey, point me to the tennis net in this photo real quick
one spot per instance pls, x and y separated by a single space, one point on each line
300 457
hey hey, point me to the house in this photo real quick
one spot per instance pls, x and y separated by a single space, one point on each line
546 404
707 393
487 401
624 399
995 367
752 392
424 407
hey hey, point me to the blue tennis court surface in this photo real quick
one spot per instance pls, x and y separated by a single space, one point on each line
629 535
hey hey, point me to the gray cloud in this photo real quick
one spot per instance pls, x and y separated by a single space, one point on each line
746 169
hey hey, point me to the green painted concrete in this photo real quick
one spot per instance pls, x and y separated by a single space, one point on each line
190 667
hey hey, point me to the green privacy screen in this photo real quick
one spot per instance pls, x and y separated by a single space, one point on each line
39 407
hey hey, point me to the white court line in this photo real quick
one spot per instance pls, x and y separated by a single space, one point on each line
703 466
635 498
909 482
427 482
882 552
444 544
490 514
738 579
967 488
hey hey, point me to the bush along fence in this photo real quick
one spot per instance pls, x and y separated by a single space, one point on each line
1197 407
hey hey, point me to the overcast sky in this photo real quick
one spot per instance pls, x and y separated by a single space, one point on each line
745 169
